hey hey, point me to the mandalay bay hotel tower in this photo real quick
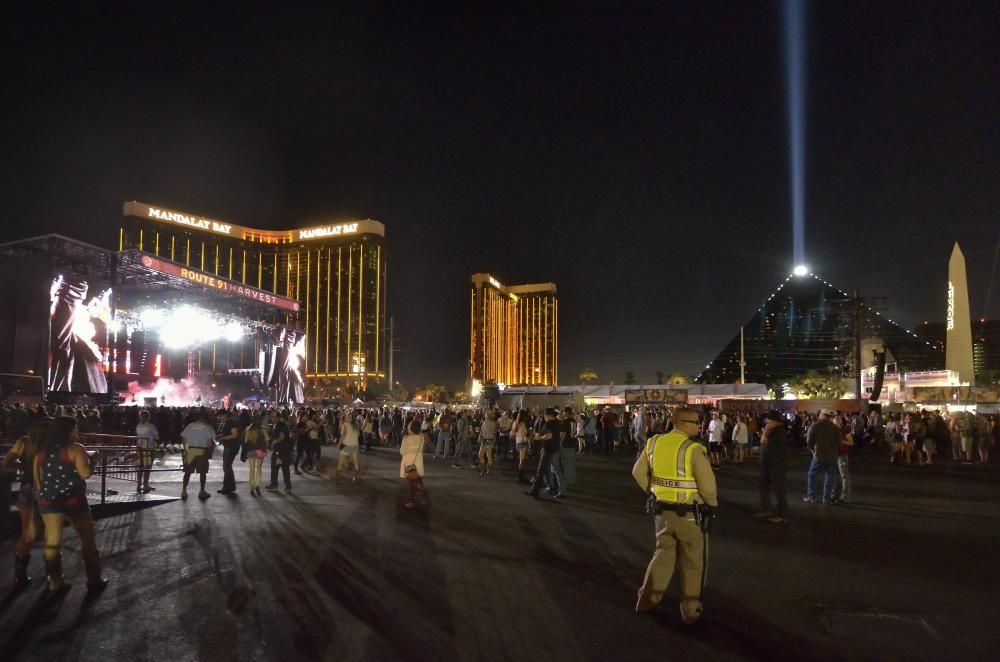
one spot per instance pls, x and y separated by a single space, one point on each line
337 272
514 333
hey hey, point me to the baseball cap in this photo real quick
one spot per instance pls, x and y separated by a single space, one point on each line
551 411
773 415
827 411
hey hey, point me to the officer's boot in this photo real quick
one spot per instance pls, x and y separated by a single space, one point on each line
53 568
21 578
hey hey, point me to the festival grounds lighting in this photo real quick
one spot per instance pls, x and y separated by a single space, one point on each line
800 270
189 327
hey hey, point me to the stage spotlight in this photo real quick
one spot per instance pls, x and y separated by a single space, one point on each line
800 270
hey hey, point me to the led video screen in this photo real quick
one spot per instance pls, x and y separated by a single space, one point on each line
79 317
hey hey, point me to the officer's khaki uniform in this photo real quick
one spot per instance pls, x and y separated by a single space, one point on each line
678 461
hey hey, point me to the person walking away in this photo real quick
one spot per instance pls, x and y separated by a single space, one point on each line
349 448
985 429
581 432
741 436
411 465
198 440
444 434
255 442
229 435
23 452
590 433
61 469
842 490
521 444
894 437
918 436
550 448
773 467
567 453
639 427
990 439
675 472
487 443
822 441
716 432
147 439
368 432
504 425
465 436
608 422
281 454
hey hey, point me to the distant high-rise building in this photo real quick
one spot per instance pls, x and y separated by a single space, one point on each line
985 343
513 333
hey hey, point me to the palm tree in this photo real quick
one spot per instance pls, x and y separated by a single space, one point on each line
659 376
630 377
587 376
677 378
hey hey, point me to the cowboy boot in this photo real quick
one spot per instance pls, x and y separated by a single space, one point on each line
21 578
92 562
53 568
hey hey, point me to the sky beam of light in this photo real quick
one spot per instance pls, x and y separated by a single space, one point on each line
793 15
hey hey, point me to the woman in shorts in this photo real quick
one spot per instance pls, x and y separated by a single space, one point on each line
894 437
907 439
521 442
987 438
24 451
348 447
487 442
255 443
61 470
411 464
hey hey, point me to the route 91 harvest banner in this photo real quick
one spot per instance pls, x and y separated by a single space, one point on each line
217 283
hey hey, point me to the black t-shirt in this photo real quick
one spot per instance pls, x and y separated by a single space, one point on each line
280 435
231 427
555 427
776 448
568 429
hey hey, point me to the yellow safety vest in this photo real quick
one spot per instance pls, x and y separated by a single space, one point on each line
670 458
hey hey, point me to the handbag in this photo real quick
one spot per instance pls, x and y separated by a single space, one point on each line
410 470
261 453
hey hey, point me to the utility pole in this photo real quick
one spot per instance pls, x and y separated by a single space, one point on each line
857 351
743 363
392 349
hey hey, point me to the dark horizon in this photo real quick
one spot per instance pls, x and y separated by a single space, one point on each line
636 157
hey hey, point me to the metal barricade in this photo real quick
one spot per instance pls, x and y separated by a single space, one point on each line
121 457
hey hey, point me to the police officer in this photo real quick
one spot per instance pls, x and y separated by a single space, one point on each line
675 471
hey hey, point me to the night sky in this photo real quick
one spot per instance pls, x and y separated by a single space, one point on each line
637 157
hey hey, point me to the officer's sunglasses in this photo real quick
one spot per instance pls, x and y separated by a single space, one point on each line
694 422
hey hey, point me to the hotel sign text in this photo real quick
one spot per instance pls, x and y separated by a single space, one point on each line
193 221
328 231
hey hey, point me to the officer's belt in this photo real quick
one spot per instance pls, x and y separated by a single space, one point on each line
681 509
681 484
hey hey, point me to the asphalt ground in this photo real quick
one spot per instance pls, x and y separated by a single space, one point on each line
340 570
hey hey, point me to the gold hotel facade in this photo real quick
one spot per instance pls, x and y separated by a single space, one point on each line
337 273
514 333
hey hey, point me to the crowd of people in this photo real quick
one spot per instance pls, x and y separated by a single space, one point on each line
540 446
